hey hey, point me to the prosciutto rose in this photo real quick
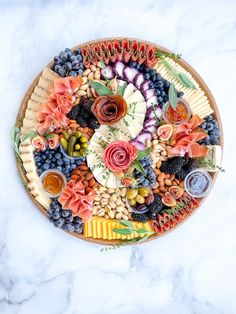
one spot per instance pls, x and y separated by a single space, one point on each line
109 109
73 197
119 155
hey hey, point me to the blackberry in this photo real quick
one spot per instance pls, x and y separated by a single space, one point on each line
156 205
150 215
87 104
81 121
172 165
74 113
191 165
93 123
84 113
181 174
140 217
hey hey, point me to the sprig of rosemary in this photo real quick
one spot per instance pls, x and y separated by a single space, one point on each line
203 162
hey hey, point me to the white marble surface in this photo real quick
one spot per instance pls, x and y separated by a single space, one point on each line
44 270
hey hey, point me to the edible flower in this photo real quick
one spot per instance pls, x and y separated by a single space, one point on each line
119 155
109 109
73 197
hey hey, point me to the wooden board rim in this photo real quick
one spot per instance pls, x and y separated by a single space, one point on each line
181 62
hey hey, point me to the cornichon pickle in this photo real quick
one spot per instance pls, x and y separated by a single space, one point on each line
76 154
83 139
65 135
64 143
71 144
77 147
78 134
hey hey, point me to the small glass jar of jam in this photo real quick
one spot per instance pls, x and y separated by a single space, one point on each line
180 114
198 183
52 182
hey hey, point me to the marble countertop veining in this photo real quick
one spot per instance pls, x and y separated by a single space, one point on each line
189 271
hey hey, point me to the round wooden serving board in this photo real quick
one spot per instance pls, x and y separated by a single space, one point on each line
182 63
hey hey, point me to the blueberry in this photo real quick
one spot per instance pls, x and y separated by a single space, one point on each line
39 164
153 72
80 71
151 85
37 158
57 59
145 183
57 67
69 219
210 126
180 94
57 208
160 99
78 228
56 215
72 73
46 166
147 76
63 55
158 92
166 84
58 223
146 70
53 165
65 213
68 66
62 72
69 227
77 220
72 58
204 125
58 156
79 58
78 51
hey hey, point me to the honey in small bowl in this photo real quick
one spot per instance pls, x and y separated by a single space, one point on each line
53 181
178 115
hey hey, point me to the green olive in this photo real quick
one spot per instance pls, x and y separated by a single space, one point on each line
132 193
132 201
65 135
143 191
140 199
84 145
77 147
83 139
78 134
64 143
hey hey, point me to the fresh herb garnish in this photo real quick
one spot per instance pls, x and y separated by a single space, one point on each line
205 162
100 88
121 89
129 230
180 76
143 153
172 96
29 135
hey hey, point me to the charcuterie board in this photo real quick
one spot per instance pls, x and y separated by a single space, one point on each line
118 141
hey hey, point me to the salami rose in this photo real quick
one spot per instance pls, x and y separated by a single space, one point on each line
119 155
109 109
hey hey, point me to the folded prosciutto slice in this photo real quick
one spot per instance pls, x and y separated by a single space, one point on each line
73 197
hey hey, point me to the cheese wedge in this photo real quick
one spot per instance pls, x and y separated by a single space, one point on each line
198 102
101 228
